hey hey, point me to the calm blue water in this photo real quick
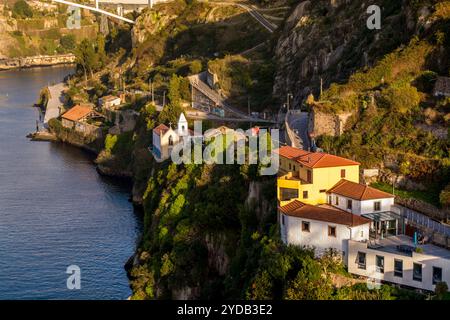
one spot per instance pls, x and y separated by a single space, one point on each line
55 210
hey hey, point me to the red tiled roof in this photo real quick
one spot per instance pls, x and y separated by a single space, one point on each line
314 159
161 129
301 210
358 191
78 112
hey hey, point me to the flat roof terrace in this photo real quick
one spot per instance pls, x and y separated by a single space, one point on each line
404 245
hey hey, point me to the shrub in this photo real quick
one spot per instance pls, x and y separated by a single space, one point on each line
68 42
21 9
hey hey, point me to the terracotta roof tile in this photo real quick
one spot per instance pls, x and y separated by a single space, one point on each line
315 159
301 210
78 112
358 191
161 129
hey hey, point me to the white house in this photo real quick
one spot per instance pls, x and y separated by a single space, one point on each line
322 227
165 138
109 102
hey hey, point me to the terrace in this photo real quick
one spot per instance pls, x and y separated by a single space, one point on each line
404 245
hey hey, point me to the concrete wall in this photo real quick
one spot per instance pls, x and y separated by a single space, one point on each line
427 261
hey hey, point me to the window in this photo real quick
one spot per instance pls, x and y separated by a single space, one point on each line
329 199
290 166
379 261
349 204
377 206
323 191
361 234
361 260
309 176
331 231
305 194
288 194
417 272
282 220
437 275
342 173
170 141
305 226
294 168
337 200
398 268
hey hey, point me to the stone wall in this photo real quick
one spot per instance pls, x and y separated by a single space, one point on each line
321 123
36 61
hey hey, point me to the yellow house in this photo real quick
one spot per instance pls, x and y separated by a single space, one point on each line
306 176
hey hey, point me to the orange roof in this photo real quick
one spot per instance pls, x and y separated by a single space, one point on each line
315 159
78 112
161 129
358 191
301 210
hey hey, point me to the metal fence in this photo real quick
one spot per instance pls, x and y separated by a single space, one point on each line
423 220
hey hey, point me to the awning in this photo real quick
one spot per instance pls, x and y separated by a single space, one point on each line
382 216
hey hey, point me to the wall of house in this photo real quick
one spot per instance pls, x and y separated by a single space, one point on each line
322 180
361 207
156 145
427 261
67 123
318 237
165 148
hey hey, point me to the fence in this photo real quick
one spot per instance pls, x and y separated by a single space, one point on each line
424 221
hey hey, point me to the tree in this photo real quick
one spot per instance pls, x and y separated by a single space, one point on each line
195 67
310 283
86 57
68 42
174 90
261 288
403 98
170 113
21 9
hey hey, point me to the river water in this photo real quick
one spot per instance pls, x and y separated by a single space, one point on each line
55 210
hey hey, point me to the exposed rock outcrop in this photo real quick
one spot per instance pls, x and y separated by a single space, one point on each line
36 61
330 40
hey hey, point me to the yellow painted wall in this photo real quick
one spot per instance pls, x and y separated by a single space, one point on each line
322 179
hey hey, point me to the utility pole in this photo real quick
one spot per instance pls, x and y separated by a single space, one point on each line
164 99
289 96
192 96
321 87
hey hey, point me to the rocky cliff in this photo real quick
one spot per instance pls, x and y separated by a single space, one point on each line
330 40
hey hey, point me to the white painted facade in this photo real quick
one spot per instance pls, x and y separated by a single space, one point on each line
317 237
427 261
360 207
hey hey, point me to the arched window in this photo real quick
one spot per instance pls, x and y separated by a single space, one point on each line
170 141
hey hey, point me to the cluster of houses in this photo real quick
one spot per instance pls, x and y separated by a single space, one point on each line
165 138
323 205
89 119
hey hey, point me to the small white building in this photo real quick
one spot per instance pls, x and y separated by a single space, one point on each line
322 227
109 102
165 138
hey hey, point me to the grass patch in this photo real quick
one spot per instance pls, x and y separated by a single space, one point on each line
431 195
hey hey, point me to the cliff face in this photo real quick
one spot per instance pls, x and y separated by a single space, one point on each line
330 40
